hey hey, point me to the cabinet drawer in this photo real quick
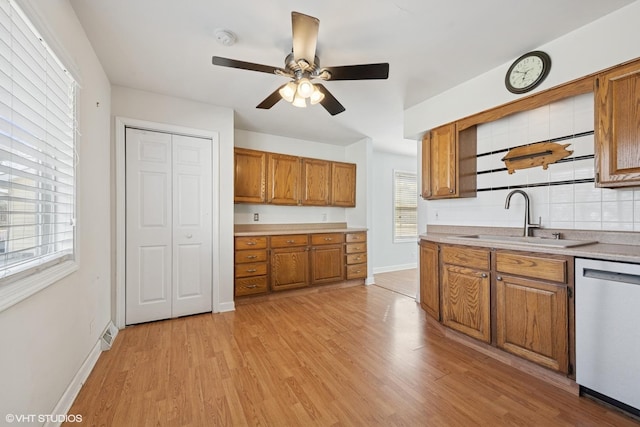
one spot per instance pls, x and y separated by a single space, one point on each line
251 269
353 248
251 256
357 237
251 285
356 271
356 258
326 239
468 257
533 266
251 242
289 240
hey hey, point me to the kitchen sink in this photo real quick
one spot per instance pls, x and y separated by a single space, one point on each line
533 241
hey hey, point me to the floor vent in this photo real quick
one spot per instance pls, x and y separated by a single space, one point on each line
108 336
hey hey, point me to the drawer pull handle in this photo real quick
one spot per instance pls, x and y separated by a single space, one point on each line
251 243
251 286
357 248
357 258
291 241
328 239
252 256
251 270
358 271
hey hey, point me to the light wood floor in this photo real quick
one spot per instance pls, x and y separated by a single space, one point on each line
404 282
359 355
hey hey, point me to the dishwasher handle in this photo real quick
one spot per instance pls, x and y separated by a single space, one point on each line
611 276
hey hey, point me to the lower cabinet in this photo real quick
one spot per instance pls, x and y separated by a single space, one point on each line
531 313
273 263
518 301
466 303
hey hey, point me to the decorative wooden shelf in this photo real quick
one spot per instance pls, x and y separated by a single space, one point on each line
537 154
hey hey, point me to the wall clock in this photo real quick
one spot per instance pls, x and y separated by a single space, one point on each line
527 72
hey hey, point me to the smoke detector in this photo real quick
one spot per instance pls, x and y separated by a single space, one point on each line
225 37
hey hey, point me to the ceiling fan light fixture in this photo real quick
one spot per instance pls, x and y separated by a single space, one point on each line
288 91
305 87
299 101
316 96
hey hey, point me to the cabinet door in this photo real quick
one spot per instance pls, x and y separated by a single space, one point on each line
617 112
442 161
316 175
250 174
289 268
343 184
532 321
426 192
327 264
466 301
283 179
429 283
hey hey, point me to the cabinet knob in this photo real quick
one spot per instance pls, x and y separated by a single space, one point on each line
451 190
499 278
483 275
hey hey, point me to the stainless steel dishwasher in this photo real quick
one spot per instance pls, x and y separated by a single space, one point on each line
608 332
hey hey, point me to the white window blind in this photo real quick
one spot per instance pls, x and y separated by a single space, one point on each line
405 206
37 149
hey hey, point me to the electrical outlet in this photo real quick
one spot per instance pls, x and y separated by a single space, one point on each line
324 217
256 217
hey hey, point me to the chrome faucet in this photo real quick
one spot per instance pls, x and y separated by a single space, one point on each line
527 222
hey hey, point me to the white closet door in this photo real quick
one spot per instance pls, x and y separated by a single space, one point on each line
149 226
191 225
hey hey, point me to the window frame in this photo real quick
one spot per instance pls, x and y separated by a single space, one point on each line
396 238
42 272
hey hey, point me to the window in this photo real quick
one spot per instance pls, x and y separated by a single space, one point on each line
405 206
37 150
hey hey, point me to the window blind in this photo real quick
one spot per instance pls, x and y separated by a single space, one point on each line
37 148
405 204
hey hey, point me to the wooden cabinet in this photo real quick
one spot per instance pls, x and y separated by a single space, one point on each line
327 257
343 184
532 308
617 126
429 279
250 175
251 270
289 261
465 285
449 163
316 179
356 255
283 179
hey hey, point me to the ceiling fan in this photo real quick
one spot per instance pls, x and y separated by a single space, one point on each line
302 66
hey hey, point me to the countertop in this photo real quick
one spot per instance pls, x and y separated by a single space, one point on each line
604 249
285 229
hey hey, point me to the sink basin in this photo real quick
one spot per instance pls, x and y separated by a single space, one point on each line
534 241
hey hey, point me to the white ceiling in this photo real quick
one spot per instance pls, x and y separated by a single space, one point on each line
165 46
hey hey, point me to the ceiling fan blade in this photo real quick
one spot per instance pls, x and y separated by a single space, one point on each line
232 63
360 72
330 103
305 36
271 100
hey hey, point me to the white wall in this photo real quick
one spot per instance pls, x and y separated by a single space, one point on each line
46 338
599 45
388 255
141 105
271 214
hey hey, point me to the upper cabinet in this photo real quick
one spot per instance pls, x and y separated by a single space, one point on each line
449 162
316 180
250 174
280 179
283 183
343 184
617 124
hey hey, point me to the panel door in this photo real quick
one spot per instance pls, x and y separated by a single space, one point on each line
250 176
284 179
315 179
343 184
149 217
429 281
192 282
327 264
289 268
443 161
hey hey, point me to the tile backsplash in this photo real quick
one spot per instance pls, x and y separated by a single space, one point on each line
564 194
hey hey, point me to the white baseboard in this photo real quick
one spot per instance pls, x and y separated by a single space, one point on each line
70 394
388 269
226 306
369 281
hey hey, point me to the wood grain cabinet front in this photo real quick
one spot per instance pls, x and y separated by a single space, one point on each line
343 184
316 180
532 308
429 279
356 255
250 176
251 265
